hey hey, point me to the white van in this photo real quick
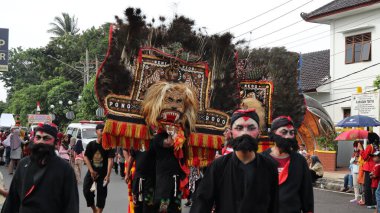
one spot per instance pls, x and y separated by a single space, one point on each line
86 129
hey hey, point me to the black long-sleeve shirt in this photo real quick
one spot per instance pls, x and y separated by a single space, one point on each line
49 189
296 193
236 187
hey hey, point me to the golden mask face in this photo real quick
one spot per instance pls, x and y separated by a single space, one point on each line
173 106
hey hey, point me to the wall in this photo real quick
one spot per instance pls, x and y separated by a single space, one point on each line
355 24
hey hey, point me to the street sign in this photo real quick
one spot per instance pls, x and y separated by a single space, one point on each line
365 104
4 36
38 118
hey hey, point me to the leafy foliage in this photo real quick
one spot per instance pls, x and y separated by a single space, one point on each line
376 83
88 103
23 101
65 25
327 142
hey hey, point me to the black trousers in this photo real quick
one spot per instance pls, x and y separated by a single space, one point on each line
101 192
369 193
314 176
167 194
143 192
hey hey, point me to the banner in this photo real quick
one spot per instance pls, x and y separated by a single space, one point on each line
38 118
365 104
4 34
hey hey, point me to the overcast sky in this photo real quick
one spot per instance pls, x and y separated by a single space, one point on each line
28 21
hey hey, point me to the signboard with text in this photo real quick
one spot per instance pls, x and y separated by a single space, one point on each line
4 36
365 104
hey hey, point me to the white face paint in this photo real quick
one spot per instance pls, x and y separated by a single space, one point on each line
43 137
286 131
245 126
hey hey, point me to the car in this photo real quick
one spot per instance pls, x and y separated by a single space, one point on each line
86 129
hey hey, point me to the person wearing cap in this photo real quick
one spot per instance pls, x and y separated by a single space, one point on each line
242 181
295 186
99 162
43 182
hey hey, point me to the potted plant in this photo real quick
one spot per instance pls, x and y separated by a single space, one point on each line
327 151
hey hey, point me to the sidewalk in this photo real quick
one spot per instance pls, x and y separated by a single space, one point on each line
332 180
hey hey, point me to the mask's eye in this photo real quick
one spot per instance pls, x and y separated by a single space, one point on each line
179 101
170 99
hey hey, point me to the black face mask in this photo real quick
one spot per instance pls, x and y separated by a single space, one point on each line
244 143
41 153
284 144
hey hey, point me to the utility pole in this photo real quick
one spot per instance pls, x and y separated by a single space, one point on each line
87 71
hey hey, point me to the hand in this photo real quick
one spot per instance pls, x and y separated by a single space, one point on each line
168 142
94 174
127 178
107 179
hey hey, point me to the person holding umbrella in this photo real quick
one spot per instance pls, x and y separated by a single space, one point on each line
372 147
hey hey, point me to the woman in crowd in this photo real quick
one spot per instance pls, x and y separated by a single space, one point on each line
372 147
316 168
64 148
79 159
16 150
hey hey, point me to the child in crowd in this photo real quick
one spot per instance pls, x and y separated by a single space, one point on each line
354 166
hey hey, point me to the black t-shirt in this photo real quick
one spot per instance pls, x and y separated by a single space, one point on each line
166 163
249 171
98 157
145 163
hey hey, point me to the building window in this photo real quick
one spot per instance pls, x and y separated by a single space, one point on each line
346 112
358 48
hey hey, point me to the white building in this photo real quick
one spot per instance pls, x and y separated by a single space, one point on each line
332 76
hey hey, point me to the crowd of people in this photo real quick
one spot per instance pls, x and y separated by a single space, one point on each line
239 180
364 175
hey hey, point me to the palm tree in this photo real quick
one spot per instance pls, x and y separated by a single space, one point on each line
64 26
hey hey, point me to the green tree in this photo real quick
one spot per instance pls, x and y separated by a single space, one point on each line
88 103
3 106
376 83
64 25
23 101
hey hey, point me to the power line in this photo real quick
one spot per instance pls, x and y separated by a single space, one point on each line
365 68
336 100
345 100
331 34
261 14
297 33
318 33
266 23
279 29
337 103
354 81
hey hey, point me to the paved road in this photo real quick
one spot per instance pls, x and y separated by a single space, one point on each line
336 202
325 201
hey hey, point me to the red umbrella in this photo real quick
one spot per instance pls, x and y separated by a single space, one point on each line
352 134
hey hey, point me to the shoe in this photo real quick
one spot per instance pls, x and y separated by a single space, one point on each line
344 189
350 190
371 207
188 204
361 203
353 201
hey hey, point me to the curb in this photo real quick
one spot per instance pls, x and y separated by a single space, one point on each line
329 184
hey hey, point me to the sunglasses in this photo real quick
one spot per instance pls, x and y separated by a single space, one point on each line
44 138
